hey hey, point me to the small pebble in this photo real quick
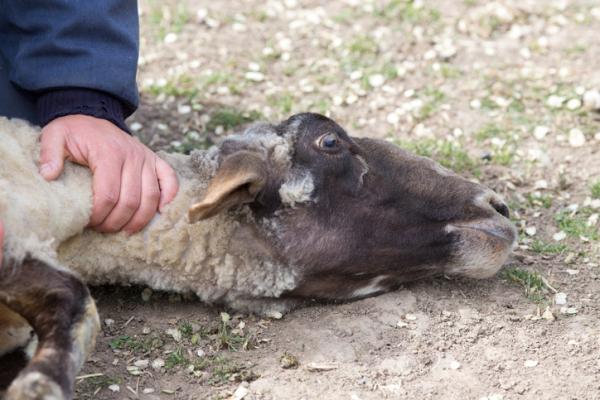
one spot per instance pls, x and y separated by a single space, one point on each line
376 80
571 271
288 361
146 294
109 322
454 365
142 364
573 104
591 99
540 132
555 101
530 363
568 310
530 230
576 138
170 38
559 236
410 317
174 333
560 298
114 388
255 76
158 364
547 315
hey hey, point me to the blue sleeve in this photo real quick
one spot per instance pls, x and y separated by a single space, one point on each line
64 44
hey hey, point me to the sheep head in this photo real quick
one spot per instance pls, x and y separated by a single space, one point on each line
356 216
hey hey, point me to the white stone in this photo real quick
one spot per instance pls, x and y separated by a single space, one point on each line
454 365
255 76
158 364
109 322
376 80
136 126
591 99
560 299
573 104
114 388
475 104
530 230
540 132
410 317
184 109
170 38
559 236
555 101
240 392
174 333
576 137
142 363
530 363
568 310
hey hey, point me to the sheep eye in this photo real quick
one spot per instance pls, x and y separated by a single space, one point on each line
328 141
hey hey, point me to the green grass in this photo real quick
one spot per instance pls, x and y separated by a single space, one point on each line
283 102
433 98
182 86
191 140
531 281
230 118
595 189
135 344
575 224
232 339
451 155
88 388
541 247
224 370
488 131
186 329
363 45
539 200
176 358
407 11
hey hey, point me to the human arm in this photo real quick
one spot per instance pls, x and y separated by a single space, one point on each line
80 60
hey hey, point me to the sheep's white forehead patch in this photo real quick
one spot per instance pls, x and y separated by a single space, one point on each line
298 188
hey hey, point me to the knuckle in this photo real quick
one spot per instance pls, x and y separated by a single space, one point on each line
109 198
131 203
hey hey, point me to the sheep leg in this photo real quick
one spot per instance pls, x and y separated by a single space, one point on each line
15 336
63 315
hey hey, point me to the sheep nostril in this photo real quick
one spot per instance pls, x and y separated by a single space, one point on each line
499 206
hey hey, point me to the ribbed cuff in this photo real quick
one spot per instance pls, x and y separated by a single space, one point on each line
70 101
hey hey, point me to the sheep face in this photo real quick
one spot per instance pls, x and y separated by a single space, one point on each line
357 216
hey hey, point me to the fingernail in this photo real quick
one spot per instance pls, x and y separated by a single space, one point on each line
47 169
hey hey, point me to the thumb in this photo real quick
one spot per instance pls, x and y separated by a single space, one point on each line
52 154
167 180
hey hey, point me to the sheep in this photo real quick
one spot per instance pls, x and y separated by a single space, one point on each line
263 221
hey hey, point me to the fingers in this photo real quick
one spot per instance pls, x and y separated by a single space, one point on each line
129 196
106 186
52 154
149 199
169 184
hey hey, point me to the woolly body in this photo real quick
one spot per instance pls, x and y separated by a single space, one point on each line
48 219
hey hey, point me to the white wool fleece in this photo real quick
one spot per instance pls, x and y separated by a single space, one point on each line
209 258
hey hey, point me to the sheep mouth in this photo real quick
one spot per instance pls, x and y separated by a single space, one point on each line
497 229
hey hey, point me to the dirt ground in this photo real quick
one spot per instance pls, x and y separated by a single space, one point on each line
501 91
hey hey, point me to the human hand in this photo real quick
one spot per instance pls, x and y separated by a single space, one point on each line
130 182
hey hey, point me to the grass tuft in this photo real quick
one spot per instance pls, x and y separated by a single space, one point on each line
532 282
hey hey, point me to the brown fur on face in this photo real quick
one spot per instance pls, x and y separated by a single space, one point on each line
359 216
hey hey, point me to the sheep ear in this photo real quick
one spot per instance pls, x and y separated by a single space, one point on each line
239 179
